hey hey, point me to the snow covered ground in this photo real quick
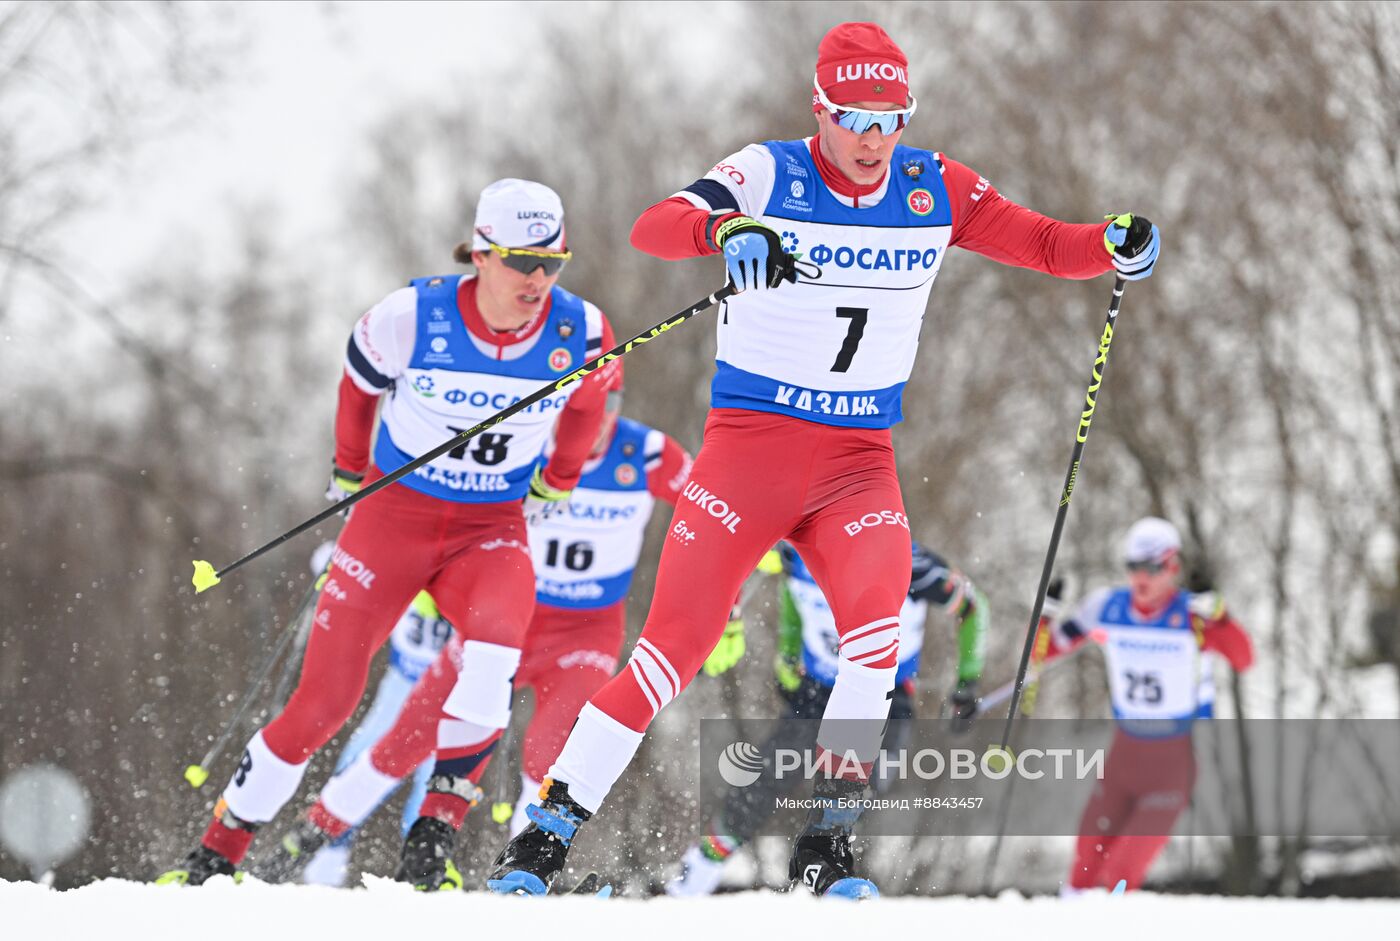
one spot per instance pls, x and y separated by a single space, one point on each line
386 910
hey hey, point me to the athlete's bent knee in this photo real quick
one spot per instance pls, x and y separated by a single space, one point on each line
483 691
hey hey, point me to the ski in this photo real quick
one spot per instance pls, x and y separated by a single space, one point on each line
592 884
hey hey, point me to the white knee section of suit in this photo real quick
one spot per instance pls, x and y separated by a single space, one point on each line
483 691
854 720
597 752
455 733
262 783
529 793
353 794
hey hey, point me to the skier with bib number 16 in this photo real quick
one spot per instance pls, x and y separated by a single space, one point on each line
809 377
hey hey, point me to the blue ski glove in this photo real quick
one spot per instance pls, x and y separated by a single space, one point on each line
1134 244
753 254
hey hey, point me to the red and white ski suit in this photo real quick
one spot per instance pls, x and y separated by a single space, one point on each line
430 347
824 479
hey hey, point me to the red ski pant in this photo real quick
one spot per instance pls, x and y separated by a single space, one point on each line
568 655
759 478
474 558
1147 783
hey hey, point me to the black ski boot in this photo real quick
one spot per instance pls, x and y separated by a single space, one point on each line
821 855
426 860
294 851
201 865
533 860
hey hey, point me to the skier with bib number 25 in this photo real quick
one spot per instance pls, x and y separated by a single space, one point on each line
1159 643
797 444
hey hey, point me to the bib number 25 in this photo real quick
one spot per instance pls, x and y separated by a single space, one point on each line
1144 688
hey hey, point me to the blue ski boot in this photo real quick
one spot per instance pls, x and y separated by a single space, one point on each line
533 860
821 855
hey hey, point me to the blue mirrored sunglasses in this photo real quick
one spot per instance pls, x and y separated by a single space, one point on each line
858 120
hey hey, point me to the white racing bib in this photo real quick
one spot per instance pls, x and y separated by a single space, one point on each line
585 556
837 350
819 637
449 386
418 638
1155 664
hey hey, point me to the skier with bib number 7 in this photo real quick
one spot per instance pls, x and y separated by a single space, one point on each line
797 444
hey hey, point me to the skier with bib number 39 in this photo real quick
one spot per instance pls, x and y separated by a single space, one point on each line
809 377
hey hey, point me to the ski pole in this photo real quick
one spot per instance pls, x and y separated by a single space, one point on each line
197 774
206 577
729 687
290 667
996 698
502 808
1002 693
1080 436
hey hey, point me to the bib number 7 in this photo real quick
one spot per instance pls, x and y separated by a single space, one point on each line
857 316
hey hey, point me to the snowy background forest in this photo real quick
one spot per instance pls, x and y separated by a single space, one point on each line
197 200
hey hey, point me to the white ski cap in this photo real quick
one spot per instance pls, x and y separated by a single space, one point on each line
1151 539
518 214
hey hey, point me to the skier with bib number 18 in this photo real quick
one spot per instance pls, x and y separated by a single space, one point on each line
450 351
809 376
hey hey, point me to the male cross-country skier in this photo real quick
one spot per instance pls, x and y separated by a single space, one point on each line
797 445
805 669
1158 641
584 560
452 351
